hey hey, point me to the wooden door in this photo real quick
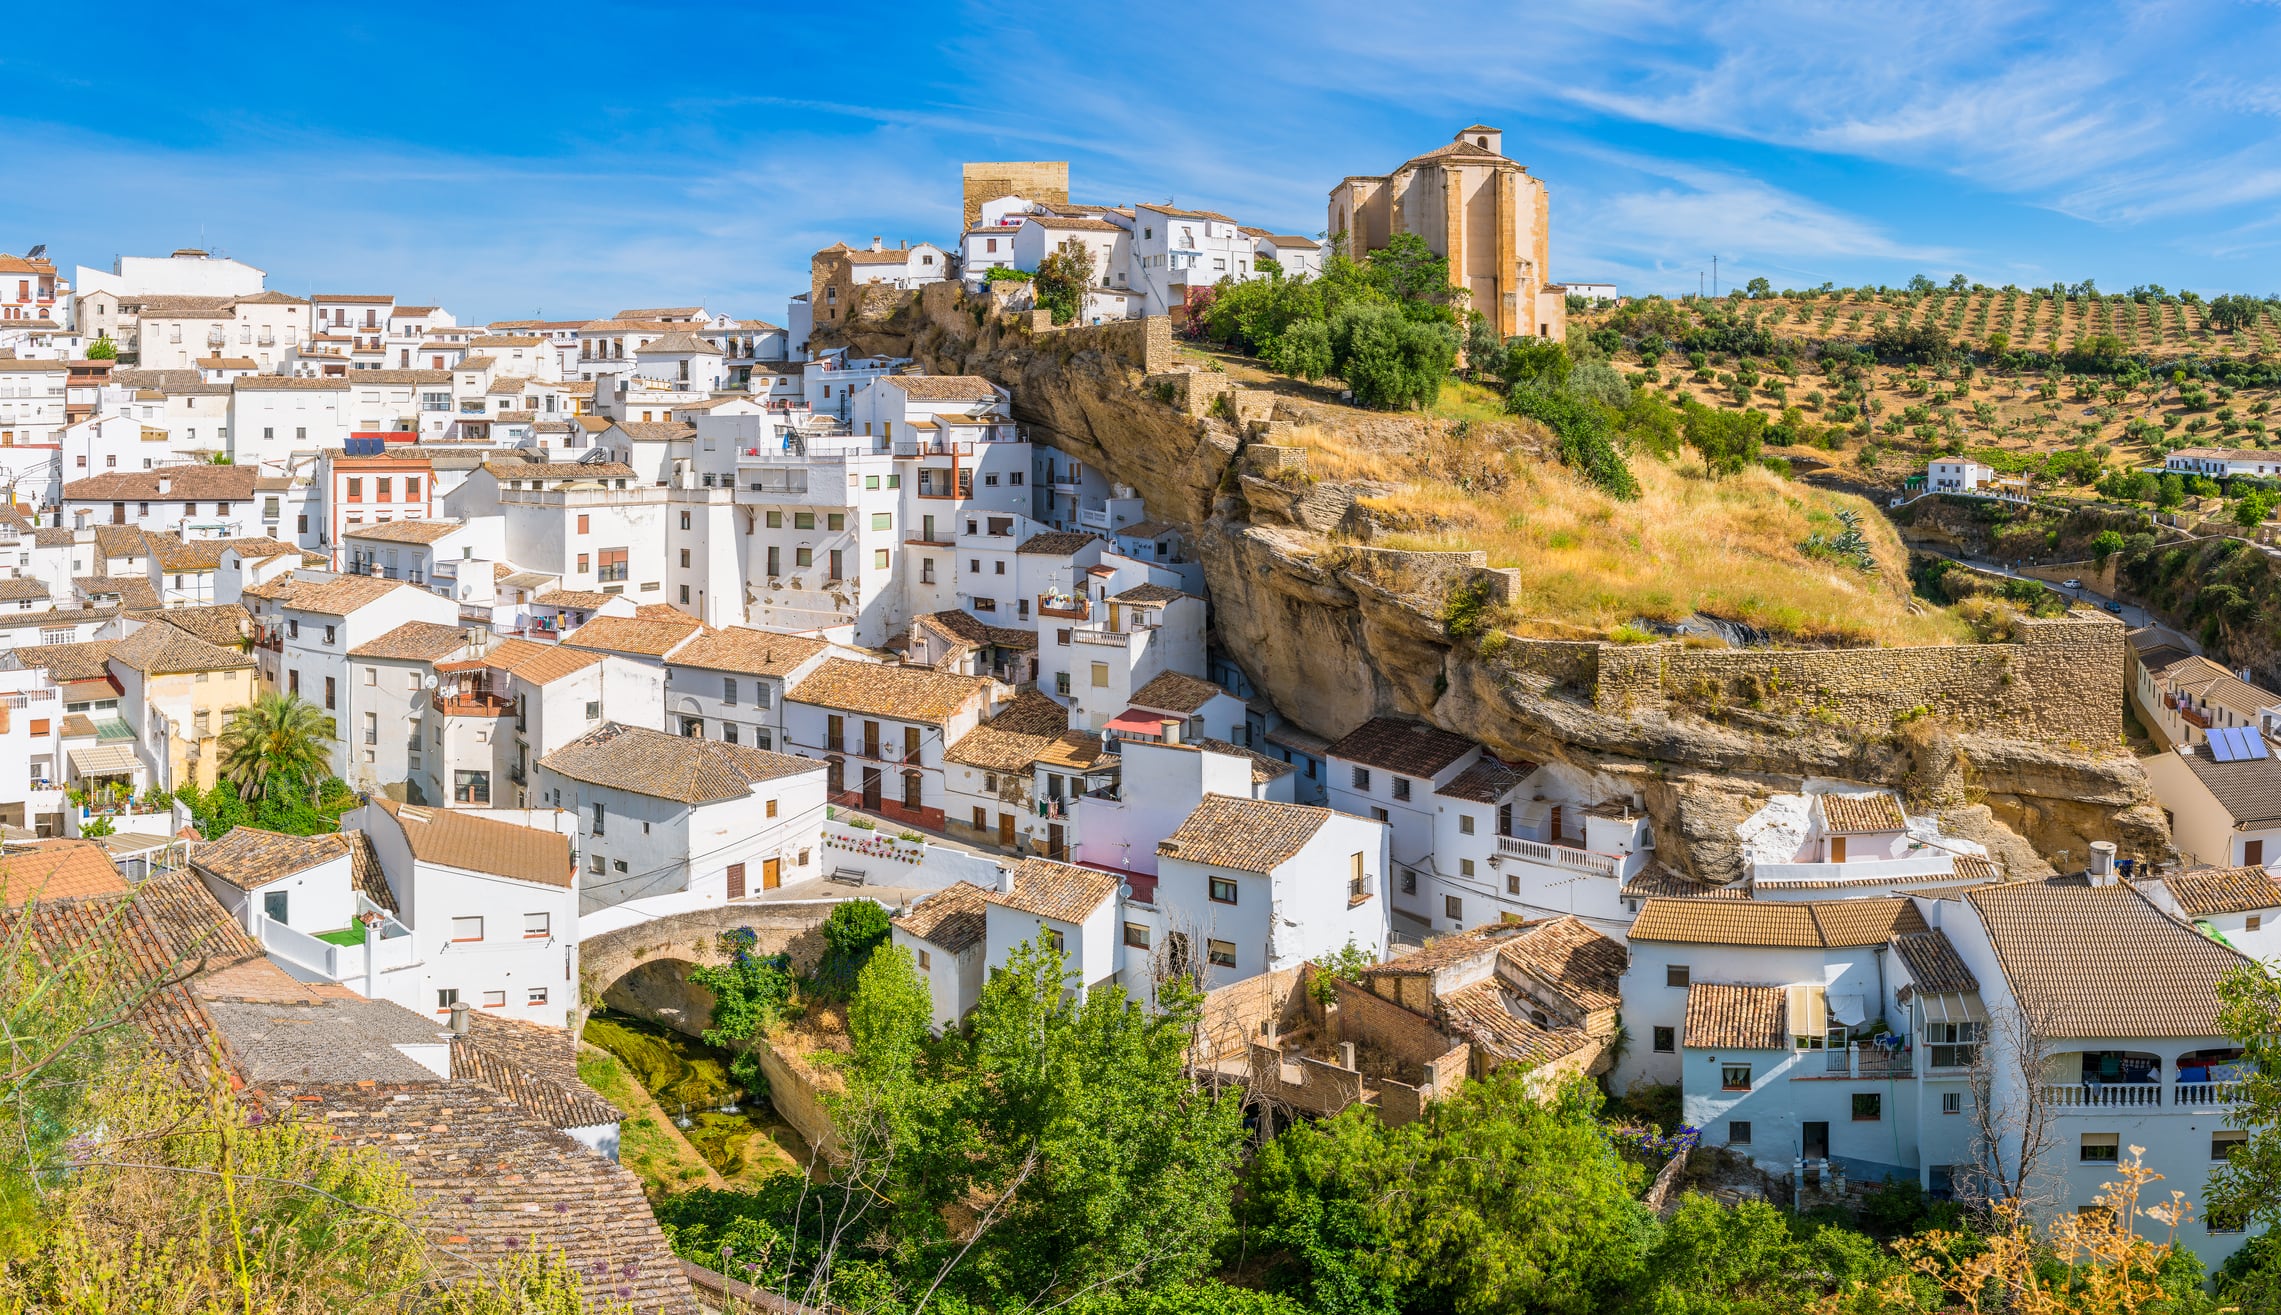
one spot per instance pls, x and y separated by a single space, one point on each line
1006 829
736 880
871 787
1056 845
835 732
1837 849
871 739
1555 826
2252 853
771 873
835 777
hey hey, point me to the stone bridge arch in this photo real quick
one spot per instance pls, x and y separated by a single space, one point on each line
685 940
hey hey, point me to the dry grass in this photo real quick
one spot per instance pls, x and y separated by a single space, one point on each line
1590 564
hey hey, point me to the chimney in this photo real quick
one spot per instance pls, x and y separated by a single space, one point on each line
1346 1055
460 1010
1005 881
2102 869
165 483
1171 730
878 243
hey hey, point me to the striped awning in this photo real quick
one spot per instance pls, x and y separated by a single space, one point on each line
104 760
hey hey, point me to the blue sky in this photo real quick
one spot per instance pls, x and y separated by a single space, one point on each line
570 159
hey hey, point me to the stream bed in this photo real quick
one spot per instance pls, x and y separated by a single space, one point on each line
687 1077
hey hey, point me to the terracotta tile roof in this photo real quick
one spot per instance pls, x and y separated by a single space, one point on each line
1487 1016
1057 543
120 541
1410 748
946 387
249 858
1171 691
2208 682
1486 781
159 649
2205 891
1818 924
1291 735
1583 965
533 1065
1978 868
78 725
365 873
560 471
584 599
645 636
492 1177
1249 835
201 483
966 628
1448 950
173 553
539 664
1263 768
1859 814
416 641
1013 738
2101 962
1723 1016
166 926
1933 963
57 869
952 919
1147 595
2249 790
656 431
903 693
88 661
130 590
22 590
1061 891
226 624
677 767
747 651
419 531
1078 750
464 838
338 596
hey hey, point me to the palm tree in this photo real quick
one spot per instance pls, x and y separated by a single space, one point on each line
276 745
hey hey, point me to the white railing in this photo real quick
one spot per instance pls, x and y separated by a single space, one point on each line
2105 1095
2208 1095
1098 518
1583 860
303 949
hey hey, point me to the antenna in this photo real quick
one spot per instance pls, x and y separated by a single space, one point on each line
1714 276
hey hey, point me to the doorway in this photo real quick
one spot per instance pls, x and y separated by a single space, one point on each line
1056 846
871 787
1817 1138
1006 830
771 873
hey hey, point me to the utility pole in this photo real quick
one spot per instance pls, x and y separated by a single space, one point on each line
1714 276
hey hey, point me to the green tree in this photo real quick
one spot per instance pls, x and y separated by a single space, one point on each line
750 993
1484 350
1303 350
276 746
1407 270
2170 492
1584 443
1062 277
855 928
1389 360
103 349
2248 1185
1534 363
2253 509
2105 544
1727 441
2232 312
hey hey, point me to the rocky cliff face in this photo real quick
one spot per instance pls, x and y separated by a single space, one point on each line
1332 641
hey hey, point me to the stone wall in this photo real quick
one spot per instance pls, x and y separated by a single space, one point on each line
798 1102
1407 1038
1043 181
1234 1017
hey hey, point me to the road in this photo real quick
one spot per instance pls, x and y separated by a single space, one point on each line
2131 614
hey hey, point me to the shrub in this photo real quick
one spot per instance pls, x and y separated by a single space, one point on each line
1389 360
1584 446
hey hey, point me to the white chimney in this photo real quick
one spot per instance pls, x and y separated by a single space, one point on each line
1171 730
460 1010
878 243
164 485
1005 881
2102 869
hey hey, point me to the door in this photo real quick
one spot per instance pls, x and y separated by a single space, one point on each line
1055 845
1837 849
1817 1141
2253 853
871 739
1006 830
911 744
871 787
835 732
771 873
1554 824
736 881
835 777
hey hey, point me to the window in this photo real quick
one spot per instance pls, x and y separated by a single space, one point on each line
1362 778
1675 974
494 999
2099 1147
535 996
597 827
1052 938
2253 922
1465 867
593 710
1453 908
612 566
1953 1044
332 634
1223 890
1356 887
467 929
1136 935
1734 1077
445 999
471 787
273 906
1100 675
1738 1132
1402 788
1409 882
329 693
2225 1142
1378 814
1868 1106
582 522
537 925
1221 954
1465 824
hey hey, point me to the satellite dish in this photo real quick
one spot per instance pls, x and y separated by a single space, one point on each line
428 681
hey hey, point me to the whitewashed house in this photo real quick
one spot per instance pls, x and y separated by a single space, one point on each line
1071 909
882 731
2239 906
1832 842
2222 813
669 823
944 935
729 684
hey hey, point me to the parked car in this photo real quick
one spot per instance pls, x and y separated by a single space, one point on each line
2072 584
2114 607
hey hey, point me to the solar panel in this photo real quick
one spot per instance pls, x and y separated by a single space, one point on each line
2221 745
2236 744
2252 743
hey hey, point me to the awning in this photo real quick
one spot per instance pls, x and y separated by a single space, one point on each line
1952 1008
104 760
1847 1009
1809 1011
1132 721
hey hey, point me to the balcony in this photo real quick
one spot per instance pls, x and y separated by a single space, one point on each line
1093 517
473 705
1563 855
2107 1095
2207 1095
1872 1061
909 448
1067 607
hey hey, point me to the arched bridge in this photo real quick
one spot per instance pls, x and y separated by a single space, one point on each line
689 939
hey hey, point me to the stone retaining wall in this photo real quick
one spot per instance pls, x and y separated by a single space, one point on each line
798 1102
